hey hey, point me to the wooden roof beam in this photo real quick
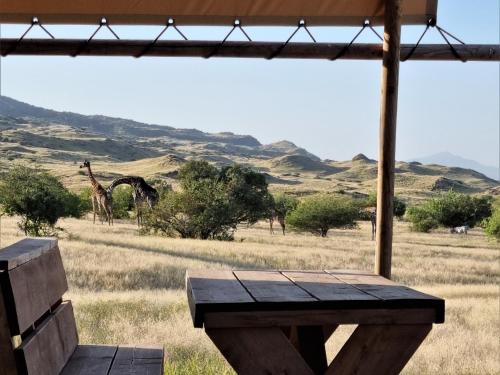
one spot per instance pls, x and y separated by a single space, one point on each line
243 49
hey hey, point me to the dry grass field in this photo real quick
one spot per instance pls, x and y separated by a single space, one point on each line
128 288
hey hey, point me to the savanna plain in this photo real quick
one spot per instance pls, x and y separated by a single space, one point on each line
128 288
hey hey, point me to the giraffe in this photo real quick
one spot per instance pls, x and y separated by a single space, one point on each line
280 219
373 220
99 196
143 192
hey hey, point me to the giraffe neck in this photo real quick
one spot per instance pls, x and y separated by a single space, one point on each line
93 181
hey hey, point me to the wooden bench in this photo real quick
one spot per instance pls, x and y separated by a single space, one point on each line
38 334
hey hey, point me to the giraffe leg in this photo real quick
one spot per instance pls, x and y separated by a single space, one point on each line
93 207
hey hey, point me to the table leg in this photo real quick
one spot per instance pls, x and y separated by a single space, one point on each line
259 351
311 345
378 349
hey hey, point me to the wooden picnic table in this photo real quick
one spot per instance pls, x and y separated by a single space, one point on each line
277 322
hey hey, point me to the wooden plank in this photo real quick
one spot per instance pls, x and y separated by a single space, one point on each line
326 287
311 346
380 287
24 250
34 287
241 49
7 359
259 351
90 360
272 286
205 288
378 349
291 317
138 361
49 347
387 136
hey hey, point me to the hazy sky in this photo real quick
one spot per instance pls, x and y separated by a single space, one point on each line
330 108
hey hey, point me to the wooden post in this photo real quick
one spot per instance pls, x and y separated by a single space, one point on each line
387 140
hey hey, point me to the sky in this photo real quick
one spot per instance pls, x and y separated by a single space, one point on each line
329 108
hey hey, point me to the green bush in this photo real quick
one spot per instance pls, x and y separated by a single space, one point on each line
450 210
283 204
123 202
39 198
211 202
320 213
492 224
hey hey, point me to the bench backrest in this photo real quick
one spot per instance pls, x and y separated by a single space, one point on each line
37 329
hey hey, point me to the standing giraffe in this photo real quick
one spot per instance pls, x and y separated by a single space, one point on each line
143 192
280 219
99 196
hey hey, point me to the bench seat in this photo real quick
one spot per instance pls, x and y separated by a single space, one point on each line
38 332
114 360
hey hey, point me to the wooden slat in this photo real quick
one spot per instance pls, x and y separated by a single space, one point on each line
241 49
379 286
326 287
34 286
272 286
138 361
49 347
378 349
24 250
216 287
259 351
291 317
7 360
90 360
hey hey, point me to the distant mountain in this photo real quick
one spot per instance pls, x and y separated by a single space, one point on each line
450 160
59 141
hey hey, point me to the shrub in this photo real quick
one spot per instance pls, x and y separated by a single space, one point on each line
450 210
283 204
39 198
211 202
320 213
422 219
492 227
123 202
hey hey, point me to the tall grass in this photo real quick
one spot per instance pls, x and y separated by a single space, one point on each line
128 288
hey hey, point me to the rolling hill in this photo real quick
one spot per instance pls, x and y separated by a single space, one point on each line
59 141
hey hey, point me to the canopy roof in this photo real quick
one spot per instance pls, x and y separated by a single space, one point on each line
212 12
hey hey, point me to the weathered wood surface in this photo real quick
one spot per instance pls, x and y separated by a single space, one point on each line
24 250
90 360
327 288
240 49
7 360
306 298
259 351
138 361
47 350
34 286
286 318
208 288
378 349
272 286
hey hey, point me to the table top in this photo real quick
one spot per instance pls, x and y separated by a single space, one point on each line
225 291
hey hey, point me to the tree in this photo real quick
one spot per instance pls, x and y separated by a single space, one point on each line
320 213
211 202
39 198
450 210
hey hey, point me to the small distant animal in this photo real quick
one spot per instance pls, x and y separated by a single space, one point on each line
460 230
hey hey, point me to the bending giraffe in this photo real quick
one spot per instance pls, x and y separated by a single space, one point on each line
143 192
99 196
